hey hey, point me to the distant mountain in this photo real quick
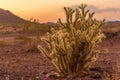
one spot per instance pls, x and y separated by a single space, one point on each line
8 17
113 21
112 24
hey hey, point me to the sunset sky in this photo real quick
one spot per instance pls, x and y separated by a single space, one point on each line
51 10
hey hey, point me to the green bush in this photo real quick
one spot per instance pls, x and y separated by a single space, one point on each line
72 47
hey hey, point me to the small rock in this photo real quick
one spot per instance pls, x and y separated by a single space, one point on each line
53 75
96 76
42 75
98 69
71 76
82 74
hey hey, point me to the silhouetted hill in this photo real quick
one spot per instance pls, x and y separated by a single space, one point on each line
8 17
112 24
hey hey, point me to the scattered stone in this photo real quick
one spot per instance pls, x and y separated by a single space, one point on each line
96 76
98 69
71 77
42 75
82 74
53 75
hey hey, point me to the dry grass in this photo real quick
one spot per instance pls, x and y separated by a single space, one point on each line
2 43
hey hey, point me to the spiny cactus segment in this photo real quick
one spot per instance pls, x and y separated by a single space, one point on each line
72 47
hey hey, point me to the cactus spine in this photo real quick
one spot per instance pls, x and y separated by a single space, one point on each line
72 47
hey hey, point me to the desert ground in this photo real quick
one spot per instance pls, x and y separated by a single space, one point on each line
18 64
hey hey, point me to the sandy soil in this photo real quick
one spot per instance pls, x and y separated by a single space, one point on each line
18 64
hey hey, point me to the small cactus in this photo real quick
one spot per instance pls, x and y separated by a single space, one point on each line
72 46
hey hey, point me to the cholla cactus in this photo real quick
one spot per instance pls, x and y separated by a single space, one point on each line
72 47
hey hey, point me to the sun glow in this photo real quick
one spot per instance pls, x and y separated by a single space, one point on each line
51 10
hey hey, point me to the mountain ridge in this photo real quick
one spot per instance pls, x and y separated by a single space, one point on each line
7 16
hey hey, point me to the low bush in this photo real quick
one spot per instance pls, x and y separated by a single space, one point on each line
28 43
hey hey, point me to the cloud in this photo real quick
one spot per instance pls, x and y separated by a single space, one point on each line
111 10
97 10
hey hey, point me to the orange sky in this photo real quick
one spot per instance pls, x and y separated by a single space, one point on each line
51 10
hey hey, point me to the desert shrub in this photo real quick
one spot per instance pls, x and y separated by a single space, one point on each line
72 48
28 43
32 26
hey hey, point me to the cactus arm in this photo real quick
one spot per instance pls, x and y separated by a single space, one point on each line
43 51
